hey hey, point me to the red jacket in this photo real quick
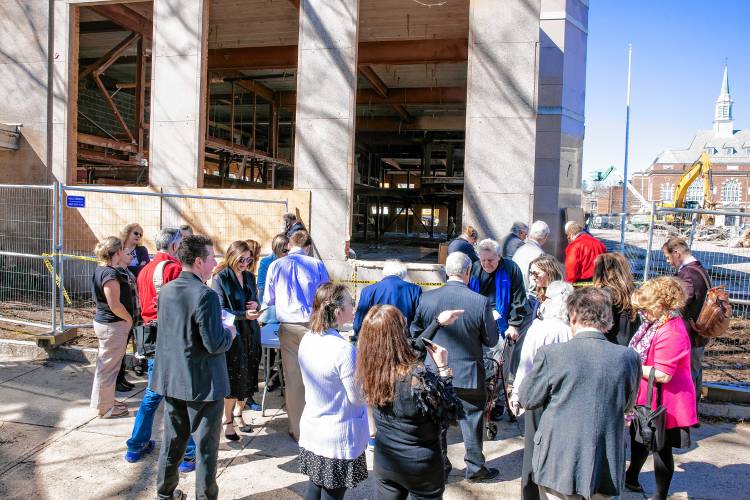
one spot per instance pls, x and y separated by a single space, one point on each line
146 290
579 257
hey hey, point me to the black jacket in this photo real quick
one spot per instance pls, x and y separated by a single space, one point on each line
518 305
463 339
190 363
461 245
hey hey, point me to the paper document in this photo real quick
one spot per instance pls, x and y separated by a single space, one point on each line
227 318
496 315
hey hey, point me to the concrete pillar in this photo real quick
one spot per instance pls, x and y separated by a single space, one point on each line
324 160
560 120
178 93
500 114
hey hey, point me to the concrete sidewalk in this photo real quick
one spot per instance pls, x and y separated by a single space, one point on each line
52 446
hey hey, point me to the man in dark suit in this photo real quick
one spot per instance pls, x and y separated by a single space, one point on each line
696 281
588 382
391 290
464 340
190 369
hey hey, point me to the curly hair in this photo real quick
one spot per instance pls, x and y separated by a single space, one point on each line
664 292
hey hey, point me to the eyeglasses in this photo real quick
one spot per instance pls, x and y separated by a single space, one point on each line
536 274
285 251
137 233
245 260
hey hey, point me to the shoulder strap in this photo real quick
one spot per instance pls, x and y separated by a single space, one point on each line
703 273
158 278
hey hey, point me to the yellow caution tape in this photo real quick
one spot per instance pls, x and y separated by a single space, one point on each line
48 265
371 282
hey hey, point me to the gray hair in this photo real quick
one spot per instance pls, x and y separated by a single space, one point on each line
167 236
457 264
489 245
592 307
394 267
539 230
519 227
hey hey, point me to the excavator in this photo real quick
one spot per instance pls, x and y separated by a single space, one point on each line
700 168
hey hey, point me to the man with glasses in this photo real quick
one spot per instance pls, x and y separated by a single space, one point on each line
161 270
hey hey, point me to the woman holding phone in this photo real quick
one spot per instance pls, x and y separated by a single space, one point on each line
412 405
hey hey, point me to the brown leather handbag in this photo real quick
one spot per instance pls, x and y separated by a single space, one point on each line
713 320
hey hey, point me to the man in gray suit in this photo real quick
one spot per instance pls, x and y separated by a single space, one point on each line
584 388
464 340
190 369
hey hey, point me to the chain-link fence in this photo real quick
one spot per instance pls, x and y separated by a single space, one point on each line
48 233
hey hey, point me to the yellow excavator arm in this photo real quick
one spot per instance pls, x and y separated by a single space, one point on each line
701 167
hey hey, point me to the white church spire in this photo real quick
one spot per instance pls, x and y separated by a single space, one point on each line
723 121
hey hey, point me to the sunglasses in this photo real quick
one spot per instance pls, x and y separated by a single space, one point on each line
137 233
536 274
245 260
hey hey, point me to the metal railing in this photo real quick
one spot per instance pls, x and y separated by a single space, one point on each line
47 238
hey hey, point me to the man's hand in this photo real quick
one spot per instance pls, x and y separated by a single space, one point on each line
252 314
512 333
447 318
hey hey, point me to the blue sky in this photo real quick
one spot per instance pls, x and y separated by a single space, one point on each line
679 49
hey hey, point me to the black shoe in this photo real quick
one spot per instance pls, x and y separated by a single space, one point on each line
636 487
122 387
126 383
484 474
179 495
230 437
497 413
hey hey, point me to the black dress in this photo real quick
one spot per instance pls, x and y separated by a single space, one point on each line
243 358
623 328
407 444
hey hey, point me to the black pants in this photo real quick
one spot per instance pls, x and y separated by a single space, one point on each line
391 490
202 419
316 492
472 430
663 466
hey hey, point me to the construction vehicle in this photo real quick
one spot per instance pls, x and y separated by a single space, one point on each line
700 168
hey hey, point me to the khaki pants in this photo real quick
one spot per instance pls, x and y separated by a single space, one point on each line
290 335
113 338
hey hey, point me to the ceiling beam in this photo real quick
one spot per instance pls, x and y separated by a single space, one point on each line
90 27
372 77
108 59
399 52
401 96
426 123
253 86
127 18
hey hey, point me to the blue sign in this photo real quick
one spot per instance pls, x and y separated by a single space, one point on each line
75 202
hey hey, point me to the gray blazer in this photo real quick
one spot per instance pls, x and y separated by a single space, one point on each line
190 364
584 387
463 339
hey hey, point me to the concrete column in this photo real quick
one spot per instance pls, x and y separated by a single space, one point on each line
500 114
324 161
178 93
560 121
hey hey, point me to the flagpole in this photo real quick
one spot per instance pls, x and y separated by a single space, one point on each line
625 167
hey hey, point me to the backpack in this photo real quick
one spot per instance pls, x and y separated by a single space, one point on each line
713 320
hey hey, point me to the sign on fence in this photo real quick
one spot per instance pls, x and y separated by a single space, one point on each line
75 202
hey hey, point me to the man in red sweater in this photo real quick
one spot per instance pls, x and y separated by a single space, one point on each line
165 264
580 253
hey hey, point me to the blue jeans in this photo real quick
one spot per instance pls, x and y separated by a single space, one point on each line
144 421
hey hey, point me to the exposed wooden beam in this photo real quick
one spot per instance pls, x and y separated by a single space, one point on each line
88 61
295 3
100 157
405 116
372 77
224 145
404 96
104 62
251 85
399 52
440 123
127 18
113 106
91 27
104 142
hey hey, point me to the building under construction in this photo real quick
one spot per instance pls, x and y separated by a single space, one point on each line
394 114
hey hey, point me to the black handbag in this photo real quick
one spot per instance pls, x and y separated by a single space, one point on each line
145 339
650 425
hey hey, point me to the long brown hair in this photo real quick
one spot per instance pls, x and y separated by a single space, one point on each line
551 267
612 271
233 255
383 354
254 254
329 299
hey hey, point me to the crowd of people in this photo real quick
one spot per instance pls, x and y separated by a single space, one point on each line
576 342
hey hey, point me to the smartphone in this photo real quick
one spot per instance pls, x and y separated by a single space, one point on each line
429 344
263 309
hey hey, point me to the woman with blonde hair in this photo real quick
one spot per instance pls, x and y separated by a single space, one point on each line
333 427
238 295
115 311
465 243
612 273
663 344
131 237
412 405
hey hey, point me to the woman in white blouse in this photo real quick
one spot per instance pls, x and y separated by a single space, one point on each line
333 428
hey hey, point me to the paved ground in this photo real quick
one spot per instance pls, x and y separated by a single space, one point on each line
52 447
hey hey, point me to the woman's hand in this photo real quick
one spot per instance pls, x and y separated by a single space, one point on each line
439 354
252 314
252 305
447 318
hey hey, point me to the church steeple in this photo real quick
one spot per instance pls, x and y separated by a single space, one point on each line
723 121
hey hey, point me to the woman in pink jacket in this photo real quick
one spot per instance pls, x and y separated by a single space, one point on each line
664 346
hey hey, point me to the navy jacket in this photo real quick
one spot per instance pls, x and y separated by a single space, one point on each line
464 338
391 290
190 362
461 245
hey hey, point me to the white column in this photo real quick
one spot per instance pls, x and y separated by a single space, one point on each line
178 93
325 119
500 114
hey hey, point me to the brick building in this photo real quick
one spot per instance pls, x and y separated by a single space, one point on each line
729 150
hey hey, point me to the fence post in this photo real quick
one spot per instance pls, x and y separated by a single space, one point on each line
693 223
53 252
650 241
59 251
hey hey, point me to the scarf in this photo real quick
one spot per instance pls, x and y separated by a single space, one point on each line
502 295
642 339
